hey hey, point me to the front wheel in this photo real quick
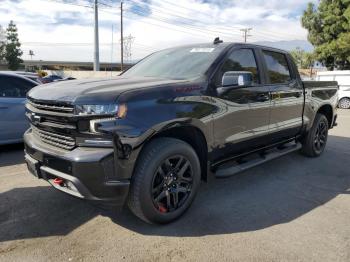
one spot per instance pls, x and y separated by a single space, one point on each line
165 181
315 141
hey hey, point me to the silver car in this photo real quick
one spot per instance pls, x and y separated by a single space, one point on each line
13 122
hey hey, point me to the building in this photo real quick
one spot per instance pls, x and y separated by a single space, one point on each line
33 65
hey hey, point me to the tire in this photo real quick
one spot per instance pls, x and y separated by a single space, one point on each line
167 172
344 103
316 139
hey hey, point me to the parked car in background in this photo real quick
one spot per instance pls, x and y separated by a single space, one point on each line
65 79
50 78
13 90
343 79
32 76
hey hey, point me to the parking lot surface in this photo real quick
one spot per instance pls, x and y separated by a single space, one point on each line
292 208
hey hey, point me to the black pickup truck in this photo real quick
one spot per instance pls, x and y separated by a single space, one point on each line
150 136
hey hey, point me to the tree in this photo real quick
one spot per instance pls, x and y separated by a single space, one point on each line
303 59
2 44
13 47
328 25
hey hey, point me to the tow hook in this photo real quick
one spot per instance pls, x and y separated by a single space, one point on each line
58 181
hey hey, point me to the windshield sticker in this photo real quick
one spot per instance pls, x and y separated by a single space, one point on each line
202 50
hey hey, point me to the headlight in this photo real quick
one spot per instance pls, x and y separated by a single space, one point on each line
107 109
96 109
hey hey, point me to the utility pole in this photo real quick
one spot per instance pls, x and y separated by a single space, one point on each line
121 37
112 44
246 34
96 43
128 41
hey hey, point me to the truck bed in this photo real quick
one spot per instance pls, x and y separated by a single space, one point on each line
320 84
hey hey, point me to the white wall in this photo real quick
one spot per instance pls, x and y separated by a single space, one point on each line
342 77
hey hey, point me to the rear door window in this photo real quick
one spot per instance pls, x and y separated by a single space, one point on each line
277 67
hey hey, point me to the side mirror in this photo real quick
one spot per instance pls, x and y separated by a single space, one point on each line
237 79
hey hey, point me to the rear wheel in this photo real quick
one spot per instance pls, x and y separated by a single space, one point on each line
344 103
165 181
316 139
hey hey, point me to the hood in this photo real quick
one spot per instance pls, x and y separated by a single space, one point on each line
94 90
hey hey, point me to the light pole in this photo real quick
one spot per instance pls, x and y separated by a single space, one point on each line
121 37
96 42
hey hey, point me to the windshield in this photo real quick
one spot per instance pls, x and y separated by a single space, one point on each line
176 63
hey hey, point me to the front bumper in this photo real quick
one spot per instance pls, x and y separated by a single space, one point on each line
84 172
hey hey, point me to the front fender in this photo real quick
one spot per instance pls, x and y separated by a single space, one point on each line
128 147
148 117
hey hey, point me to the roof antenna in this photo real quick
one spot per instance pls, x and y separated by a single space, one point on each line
217 41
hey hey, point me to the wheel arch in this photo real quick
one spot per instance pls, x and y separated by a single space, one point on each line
327 111
190 134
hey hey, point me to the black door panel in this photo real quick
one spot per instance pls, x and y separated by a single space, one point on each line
243 112
287 100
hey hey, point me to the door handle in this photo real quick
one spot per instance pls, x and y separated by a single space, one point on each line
3 107
275 96
263 97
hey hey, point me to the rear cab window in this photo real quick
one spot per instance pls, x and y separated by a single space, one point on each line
278 70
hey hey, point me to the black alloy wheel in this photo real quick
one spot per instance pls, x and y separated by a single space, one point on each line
320 136
172 184
165 181
315 140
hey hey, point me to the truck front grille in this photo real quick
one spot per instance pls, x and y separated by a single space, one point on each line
54 139
52 107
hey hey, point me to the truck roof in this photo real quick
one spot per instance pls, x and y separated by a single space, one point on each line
230 44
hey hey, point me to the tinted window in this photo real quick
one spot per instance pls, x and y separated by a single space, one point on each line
277 67
14 87
176 63
240 60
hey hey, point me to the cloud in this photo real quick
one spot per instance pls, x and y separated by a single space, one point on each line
155 24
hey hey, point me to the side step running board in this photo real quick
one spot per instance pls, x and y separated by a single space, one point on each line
233 168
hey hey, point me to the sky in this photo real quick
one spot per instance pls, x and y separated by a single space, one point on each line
63 30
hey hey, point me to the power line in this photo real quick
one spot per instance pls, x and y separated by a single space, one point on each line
227 30
271 34
71 3
102 9
190 24
168 27
202 32
183 23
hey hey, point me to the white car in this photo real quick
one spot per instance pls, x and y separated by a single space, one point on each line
343 79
